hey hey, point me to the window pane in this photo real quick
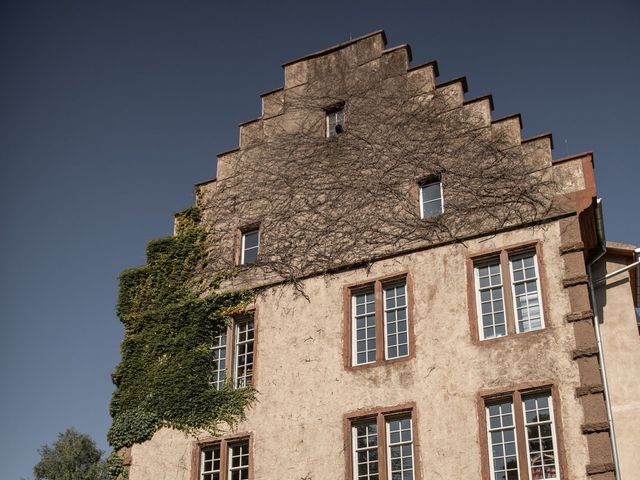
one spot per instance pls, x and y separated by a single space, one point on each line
396 326
250 244
219 361
431 199
526 292
365 450
210 463
538 418
502 444
243 347
364 327
400 447
335 122
239 461
489 299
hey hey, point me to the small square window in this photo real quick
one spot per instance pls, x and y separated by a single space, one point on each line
335 122
431 203
250 246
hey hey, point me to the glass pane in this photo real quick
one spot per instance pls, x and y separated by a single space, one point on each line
250 256
251 239
431 192
432 208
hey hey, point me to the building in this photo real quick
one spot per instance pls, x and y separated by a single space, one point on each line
465 353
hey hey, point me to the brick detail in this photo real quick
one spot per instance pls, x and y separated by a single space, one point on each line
585 352
601 468
577 316
572 247
577 280
589 428
589 390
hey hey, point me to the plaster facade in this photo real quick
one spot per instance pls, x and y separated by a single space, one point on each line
300 426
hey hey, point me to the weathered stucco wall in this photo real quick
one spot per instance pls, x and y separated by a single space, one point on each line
621 344
305 389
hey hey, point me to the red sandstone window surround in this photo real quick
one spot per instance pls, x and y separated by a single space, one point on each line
506 293
382 444
229 458
520 433
378 321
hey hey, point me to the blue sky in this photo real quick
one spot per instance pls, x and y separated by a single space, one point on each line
111 111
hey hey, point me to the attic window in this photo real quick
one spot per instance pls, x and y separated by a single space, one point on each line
250 246
431 202
334 119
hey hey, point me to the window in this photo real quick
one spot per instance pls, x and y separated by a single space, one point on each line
379 322
225 460
250 245
431 199
239 353
382 447
335 120
524 284
243 353
527 417
516 309
219 361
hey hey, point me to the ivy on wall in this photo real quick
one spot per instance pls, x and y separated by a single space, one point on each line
166 365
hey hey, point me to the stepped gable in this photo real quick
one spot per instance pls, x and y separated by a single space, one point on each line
370 51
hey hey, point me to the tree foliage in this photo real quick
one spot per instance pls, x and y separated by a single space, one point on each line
171 317
73 456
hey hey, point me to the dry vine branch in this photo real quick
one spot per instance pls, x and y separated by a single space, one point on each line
326 202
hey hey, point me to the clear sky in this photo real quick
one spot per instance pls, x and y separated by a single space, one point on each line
110 111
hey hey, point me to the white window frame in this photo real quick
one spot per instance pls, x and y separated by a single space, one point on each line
387 420
378 289
212 449
354 330
476 277
385 323
225 451
552 422
520 429
519 255
490 430
383 445
244 249
327 116
422 186
355 449
236 354
217 347
230 347
243 466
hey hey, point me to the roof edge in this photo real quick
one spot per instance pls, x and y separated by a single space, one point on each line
509 117
404 46
480 99
432 63
463 80
548 135
339 46
573 157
